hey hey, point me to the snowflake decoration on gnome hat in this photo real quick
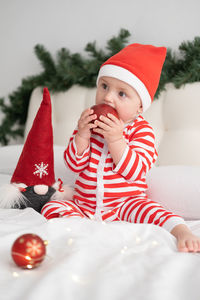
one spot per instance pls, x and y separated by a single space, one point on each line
33 182
41 169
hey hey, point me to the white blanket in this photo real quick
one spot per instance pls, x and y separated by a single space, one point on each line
92 260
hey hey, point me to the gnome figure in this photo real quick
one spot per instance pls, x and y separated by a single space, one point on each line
33 182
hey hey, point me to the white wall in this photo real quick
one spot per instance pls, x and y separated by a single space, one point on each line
74 23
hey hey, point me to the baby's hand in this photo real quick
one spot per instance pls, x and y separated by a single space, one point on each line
85 125
110 127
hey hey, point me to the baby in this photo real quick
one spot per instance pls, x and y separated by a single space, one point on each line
112 156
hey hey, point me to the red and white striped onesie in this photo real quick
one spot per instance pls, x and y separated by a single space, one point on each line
110 192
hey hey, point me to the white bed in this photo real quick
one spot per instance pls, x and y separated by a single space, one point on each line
91 260
94 260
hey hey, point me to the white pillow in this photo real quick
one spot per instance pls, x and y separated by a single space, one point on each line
177 188
61 169
9 156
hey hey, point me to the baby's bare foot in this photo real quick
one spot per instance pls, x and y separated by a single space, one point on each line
188 243
186 240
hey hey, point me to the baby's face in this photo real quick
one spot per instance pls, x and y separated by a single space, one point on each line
119 95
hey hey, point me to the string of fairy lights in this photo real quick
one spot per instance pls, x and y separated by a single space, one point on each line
136 246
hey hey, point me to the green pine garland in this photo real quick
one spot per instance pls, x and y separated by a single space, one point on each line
69 69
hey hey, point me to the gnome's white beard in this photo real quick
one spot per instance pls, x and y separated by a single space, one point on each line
10 196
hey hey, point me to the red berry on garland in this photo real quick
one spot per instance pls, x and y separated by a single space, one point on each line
28 251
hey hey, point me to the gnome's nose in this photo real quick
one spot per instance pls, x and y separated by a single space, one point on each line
40 189
22 189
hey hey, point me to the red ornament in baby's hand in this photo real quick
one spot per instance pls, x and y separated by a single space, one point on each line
104 109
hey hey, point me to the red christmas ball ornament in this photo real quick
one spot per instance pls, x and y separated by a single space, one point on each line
28 251
103 109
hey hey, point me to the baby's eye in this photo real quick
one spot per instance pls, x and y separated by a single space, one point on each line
104 86
122 94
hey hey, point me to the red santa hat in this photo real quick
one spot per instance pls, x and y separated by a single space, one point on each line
36 163
138 65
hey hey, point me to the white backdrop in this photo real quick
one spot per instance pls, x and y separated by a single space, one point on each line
74 23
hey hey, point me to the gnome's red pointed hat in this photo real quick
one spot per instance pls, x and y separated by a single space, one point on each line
36 163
